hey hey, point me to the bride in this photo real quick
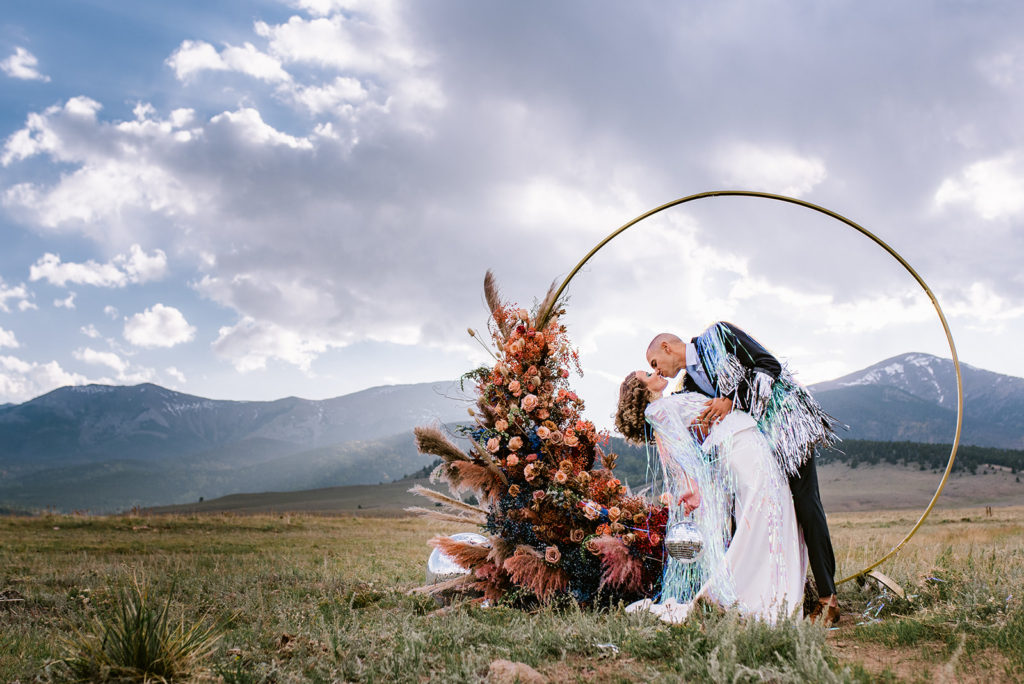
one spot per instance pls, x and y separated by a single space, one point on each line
754 557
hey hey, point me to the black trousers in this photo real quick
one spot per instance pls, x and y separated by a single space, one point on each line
811 517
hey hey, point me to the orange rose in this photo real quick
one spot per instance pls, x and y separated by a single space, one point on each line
543 432
577 535
614 513
552 555
571 439
501 425
493 444
515 388
515 443
512 461
591 511
654 537
561 477
529 402
602 529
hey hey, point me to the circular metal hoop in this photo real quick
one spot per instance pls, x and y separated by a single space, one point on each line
542 319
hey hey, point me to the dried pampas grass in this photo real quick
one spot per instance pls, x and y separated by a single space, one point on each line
465 554
430 440
493 298
528 568
620 569
448 501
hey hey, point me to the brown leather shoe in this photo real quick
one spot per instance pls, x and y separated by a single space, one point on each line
830 607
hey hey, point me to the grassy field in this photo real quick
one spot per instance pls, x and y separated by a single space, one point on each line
318 598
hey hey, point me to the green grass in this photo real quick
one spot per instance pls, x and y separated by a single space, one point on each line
307 598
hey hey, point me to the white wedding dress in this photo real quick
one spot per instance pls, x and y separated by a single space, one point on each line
760 569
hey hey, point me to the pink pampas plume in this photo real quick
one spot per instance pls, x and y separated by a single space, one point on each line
528 568
465 554
620 569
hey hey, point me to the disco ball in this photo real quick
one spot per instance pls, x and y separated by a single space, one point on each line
683 541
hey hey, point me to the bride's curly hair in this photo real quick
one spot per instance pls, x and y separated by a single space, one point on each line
629 416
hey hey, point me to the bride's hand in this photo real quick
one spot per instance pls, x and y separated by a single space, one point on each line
691 501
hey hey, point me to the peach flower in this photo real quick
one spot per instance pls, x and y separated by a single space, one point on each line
493 444
577 535
555 437
591 511
543 432
542 414
602 529
552 555
515 388
501 425
530 471
654 537
565 466
539 494
512 461
614 513
617 528
531 457
561 477
529 402
523 314
513 490
571 439
583 477
515 443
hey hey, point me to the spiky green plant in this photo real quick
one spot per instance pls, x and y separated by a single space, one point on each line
137 641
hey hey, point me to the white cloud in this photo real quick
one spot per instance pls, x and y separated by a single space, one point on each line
176 374
22 380
195 56
993 188
108 359
136 267
744 166
249 126
250 344
90 331
66 303
16 293
158 326
23 65
333 96
7 339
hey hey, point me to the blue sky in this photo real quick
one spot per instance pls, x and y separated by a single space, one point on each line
255 200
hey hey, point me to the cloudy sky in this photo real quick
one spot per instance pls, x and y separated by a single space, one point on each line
255 200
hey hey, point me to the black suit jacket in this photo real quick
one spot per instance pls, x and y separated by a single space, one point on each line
750 353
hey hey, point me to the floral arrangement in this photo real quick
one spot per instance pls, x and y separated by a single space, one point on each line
557 518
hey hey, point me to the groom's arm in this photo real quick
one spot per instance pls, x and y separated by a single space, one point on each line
751 354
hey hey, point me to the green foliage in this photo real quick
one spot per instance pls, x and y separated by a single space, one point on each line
137 640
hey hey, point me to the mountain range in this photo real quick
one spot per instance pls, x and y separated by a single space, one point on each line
105 448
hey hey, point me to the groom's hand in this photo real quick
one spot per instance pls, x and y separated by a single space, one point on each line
716 409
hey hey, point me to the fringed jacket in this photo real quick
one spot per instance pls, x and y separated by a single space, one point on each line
739 368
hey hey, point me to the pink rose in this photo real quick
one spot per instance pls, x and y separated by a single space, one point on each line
591 511
561 477
515 443
570 439
539 494
577 535
543 432
529 402
512 461
654 537
515 388
614 513
543 414
531 457
555 437
493 444
552 555
530 471
501 425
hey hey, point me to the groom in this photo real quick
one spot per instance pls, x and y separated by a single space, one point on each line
735 371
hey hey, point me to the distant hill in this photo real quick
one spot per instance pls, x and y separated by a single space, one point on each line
912 397
105 448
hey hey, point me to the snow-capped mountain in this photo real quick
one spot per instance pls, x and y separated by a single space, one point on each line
913 397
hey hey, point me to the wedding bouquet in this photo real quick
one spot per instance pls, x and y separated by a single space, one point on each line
556 519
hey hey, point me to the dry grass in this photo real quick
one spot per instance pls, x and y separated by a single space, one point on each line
309 598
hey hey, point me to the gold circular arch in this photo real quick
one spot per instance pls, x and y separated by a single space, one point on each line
543 317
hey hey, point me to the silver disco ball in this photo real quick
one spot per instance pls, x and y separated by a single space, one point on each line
441 567
683 541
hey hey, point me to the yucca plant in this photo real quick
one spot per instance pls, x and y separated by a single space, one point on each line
137 641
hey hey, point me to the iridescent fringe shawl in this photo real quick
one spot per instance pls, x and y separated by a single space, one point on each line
786 413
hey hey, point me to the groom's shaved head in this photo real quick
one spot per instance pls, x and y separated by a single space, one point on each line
662 337
666 354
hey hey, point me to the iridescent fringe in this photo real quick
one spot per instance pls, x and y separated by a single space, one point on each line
681 455
786 413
